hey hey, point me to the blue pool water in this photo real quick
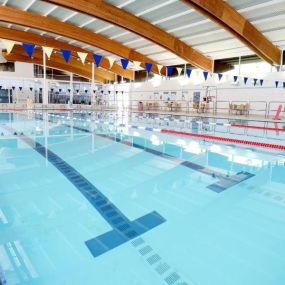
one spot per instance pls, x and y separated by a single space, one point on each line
87 199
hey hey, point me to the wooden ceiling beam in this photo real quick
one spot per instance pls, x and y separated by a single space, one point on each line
58 62
47 24
57 57
21 36
221 13
52 64
119 17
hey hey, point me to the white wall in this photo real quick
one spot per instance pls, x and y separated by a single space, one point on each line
22 76
22 70
258 96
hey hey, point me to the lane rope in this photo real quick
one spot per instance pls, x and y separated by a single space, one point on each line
173 132
223 139
257 127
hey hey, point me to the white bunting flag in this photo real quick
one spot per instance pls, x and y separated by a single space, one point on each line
8 45
137 64
82 56
159 67
228 77
179 70
48 51
111 60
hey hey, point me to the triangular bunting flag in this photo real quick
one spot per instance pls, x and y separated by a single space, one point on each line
13 87
41 89
148 67
82 56
137 64
261 82
86 90
68 90
245 79
188 72
8 45
29 48
77 91
20 88
205 73
254 81
31 89
59 89
97 59
169 70
111 60
235 78
159 67
283 84
220 76
276 83
66 54
0 87
179 70
48 51
124 63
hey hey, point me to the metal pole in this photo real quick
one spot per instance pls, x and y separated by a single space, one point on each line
166 73
93 82
71 89
45 90
281 63
239 63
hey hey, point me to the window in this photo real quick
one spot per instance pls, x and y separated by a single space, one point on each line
7 66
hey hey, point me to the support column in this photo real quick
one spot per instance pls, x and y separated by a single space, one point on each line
93 84
17 95
239 65
45 87
71 90
130 97
281 61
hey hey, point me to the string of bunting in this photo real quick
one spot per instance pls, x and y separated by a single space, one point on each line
66 54
77 91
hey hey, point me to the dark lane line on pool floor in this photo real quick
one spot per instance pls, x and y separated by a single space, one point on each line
224 181
169 275
123 230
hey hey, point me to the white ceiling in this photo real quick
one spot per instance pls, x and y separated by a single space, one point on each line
172 16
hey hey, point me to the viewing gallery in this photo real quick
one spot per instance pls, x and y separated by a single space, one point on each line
142 142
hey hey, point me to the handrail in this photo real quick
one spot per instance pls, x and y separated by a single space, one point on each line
250 103
269 106
183 105
180 106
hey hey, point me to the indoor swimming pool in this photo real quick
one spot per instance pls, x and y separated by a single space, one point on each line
125 198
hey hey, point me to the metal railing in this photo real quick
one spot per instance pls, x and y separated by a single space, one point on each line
179 107
260 107
272 108
188 107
